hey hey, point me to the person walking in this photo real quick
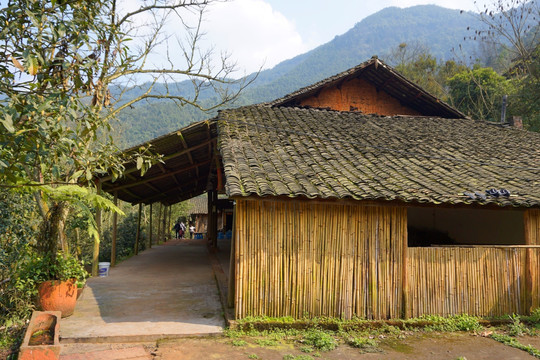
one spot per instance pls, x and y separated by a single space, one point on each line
182 229
191 230
177 229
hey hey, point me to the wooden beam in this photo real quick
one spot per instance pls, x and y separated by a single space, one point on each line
138 237
141 182
115 231
164 194
165 158
147 184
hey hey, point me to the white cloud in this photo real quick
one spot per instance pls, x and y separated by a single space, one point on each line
253 33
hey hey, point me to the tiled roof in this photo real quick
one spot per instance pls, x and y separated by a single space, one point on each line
384 78
199 205
329 154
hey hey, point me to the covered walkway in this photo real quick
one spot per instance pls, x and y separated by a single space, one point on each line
166 291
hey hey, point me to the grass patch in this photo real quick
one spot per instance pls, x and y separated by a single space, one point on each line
361 342
266 342
516 327
511 341
239 342
320 340
298 357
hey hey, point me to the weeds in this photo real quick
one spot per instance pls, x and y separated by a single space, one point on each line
320 340
516 328
299 357
452 323
239 343
266 342
511 341
361 342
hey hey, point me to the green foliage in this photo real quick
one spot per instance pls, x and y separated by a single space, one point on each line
18 224
298 357
320 340
511 341
516 328
452 323
535 316
361 342
125 241
43 268
253 356
478 92
266 342
239 342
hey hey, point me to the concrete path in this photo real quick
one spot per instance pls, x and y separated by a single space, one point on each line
167 291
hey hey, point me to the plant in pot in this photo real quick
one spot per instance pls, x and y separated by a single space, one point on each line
56 278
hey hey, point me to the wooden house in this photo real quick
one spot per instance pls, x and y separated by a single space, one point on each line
198 213
365 196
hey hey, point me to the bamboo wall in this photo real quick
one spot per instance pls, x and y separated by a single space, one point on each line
296 258
474 281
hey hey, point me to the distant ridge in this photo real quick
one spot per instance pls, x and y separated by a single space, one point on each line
441 30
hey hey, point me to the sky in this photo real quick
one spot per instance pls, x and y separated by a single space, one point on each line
262 33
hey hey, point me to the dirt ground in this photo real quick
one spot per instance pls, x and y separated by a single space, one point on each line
416 346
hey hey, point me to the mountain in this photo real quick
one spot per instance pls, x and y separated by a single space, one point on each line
439 29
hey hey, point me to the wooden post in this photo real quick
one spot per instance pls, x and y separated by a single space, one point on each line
404 265
528 263
95 254
169 225
214 225
115 231
150 229
212 219
138 237
232 263
159 224
164 223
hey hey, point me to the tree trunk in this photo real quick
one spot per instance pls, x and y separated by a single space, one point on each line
52 234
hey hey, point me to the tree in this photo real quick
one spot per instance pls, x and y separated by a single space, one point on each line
478 92
417 64
512 28
59 60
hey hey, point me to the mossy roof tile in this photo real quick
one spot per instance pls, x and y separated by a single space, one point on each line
273 151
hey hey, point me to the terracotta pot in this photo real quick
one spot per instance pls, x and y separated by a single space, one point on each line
58 295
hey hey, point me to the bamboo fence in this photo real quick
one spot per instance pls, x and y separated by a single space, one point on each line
301 258
475 281
307 258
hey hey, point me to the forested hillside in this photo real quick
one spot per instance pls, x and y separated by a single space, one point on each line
438 29
442 33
